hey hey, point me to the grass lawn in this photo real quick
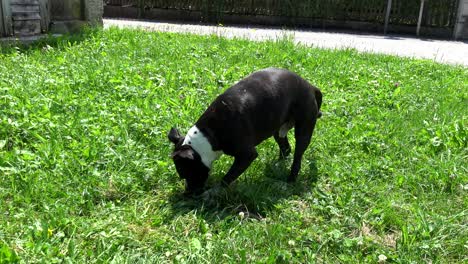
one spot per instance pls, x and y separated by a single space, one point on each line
86 177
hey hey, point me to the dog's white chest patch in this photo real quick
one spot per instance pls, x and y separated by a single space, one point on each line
202 146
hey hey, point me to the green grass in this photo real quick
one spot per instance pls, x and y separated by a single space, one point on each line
86 175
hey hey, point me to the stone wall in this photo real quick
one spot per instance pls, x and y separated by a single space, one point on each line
94 9
68 16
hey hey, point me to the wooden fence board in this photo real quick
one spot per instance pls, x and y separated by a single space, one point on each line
23 17
27 27
2 29
25 2
26 16
25 8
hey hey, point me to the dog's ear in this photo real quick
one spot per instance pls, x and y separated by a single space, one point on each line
174 135
184 154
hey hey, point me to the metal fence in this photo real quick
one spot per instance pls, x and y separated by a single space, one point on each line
437 13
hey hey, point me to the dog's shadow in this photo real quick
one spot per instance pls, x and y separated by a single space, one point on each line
250 198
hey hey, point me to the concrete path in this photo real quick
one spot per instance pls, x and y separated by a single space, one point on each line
450 52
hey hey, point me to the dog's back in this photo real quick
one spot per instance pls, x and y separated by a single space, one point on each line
257 106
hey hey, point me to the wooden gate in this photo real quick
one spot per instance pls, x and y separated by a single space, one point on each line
24 17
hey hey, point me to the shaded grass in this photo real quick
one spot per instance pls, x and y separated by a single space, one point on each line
86 174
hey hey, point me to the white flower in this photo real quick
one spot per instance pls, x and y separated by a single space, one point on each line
241 215
382 258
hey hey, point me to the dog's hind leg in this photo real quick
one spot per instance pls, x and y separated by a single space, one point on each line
281 137
285 148
303 133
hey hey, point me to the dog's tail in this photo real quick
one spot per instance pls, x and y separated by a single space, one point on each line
318 98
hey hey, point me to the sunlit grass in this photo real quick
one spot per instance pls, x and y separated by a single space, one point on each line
86 176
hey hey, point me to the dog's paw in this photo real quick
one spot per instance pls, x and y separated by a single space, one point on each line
213 193
291 180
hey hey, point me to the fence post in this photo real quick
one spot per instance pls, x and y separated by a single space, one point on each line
387 15
420 17
7 19
459 20
204 11
141 8
45 16
1 22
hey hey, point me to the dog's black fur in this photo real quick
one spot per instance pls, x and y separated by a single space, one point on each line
246 114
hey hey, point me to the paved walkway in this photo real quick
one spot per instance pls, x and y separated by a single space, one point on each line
451 52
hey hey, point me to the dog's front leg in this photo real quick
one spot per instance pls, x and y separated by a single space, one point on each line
241 163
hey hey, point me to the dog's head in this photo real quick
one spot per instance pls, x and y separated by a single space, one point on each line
188 163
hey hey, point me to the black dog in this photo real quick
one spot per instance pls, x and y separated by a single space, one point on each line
267 103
